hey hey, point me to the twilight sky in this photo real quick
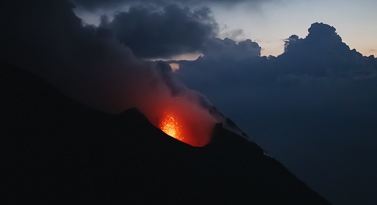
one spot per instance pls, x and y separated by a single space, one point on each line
270 22
355 21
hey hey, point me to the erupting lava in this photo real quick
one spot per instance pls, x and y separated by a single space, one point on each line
170 126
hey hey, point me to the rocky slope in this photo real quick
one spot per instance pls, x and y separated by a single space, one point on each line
57 151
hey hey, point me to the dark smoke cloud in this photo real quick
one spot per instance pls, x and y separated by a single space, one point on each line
95 4
314 107
155 32
93 67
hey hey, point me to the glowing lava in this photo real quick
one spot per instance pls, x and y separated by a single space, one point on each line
170 126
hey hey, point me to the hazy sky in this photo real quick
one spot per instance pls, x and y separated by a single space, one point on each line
270 22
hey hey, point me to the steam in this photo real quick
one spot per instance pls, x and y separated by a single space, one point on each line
90 65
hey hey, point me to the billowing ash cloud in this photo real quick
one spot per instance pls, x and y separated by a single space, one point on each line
93 67
314 107
155 32
322 53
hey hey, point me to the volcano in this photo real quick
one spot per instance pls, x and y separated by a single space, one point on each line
57 151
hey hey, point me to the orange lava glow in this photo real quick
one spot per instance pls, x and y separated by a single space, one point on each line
171 127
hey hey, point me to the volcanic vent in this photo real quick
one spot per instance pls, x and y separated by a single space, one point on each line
171 126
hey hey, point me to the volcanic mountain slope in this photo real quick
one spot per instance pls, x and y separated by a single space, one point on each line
57 151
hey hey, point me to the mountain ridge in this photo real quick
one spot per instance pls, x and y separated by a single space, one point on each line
58 151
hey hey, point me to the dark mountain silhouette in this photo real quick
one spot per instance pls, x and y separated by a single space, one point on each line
57 151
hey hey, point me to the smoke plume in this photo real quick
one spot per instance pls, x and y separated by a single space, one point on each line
90 65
